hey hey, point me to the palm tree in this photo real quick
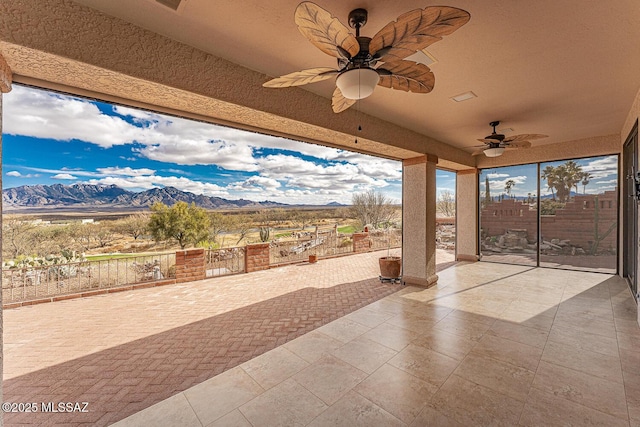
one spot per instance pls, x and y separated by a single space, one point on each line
573 175
586 177
509 185
549 174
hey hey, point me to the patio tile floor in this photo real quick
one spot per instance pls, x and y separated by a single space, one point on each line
127 351
479 348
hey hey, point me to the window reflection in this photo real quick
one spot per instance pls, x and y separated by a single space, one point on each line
509 214
579 214
577 210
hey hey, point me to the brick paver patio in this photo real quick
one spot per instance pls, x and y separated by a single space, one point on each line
124 352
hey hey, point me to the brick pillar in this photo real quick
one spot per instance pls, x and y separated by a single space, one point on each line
361 242
190 265
256 257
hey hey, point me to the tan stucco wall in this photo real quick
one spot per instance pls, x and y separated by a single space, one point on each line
419 221
467 215
632 116
587 147
58 42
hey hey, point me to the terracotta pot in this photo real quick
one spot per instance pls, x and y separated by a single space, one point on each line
313 258
390 266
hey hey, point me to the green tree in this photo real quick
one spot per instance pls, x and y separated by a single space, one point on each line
508 186
549 175
586 178
134 225
187 224
563 178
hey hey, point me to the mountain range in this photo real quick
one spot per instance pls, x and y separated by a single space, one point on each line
112 196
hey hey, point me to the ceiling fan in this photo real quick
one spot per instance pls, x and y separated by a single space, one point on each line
357 55
495 144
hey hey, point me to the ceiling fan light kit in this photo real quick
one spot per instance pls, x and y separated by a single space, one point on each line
357 83
496 143
494 152
364 62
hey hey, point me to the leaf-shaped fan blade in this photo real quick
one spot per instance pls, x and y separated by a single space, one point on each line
489 141
303 77
407 76
524 137
325 31
519 144
477 152
339 103
415 30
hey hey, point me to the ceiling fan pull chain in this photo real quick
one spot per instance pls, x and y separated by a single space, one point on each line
358 118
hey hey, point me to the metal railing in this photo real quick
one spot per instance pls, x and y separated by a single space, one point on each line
222 262
383 239
328 244
26 283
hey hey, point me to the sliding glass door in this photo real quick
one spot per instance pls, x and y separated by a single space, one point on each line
509 214
579 214
556 214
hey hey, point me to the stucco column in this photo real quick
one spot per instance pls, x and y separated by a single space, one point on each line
6 78
419 220
467 215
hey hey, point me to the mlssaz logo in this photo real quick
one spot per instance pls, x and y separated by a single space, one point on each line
65 407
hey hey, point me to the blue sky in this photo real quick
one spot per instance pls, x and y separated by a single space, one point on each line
604 171
52 138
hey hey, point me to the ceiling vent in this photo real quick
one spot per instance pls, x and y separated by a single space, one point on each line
173 4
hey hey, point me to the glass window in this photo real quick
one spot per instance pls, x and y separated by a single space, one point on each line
509 214
579 214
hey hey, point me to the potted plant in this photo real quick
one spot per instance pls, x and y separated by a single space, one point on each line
390 266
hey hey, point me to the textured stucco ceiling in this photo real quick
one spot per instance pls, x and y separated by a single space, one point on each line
563 68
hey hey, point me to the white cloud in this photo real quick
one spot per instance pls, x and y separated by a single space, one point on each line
257 183
201 152
602 167
14 173
325 173
495 175
153 181
125 171
41 114
64 176
501 183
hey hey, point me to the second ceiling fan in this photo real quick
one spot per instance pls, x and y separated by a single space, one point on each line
364 62
495 144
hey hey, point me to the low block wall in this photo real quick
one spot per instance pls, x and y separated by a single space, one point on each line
190 265
575 222
257 257
361 242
